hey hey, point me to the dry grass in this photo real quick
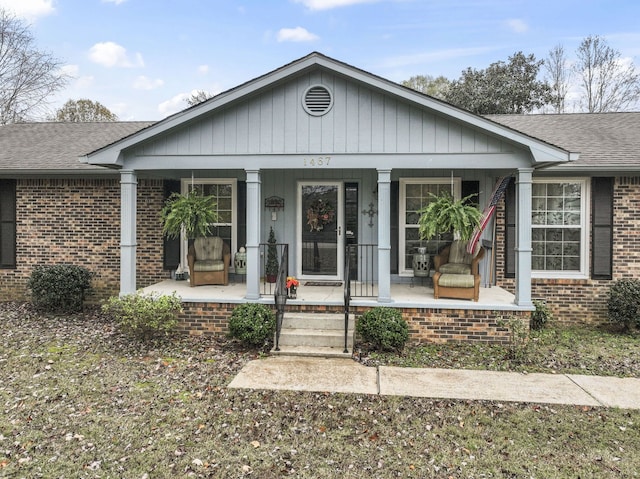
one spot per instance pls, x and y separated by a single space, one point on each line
81 401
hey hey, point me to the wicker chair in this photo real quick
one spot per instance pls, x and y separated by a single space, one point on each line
457 273
209 261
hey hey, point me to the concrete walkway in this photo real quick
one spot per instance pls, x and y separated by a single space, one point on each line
348 376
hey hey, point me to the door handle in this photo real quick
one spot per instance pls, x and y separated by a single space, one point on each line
339 230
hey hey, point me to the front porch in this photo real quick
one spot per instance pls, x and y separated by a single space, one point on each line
207 309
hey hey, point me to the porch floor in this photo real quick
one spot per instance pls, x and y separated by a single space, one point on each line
403 295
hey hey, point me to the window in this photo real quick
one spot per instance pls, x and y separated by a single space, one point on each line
7 224
415 193
559 227
224 190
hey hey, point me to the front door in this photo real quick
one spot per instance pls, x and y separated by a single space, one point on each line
320 230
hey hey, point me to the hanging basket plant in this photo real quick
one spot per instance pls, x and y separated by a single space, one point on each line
193 212
319 214
444 214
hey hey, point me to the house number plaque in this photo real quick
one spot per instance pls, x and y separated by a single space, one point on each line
317 162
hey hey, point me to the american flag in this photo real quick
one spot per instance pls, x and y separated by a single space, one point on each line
498 191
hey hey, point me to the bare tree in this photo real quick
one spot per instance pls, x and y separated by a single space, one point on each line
558 77
28 76
198 97
84 110
609 82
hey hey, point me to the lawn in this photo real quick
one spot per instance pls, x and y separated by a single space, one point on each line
79 400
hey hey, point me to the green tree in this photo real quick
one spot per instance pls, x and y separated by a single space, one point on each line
558 75
504 87
427 84
28 76
83 110
198 97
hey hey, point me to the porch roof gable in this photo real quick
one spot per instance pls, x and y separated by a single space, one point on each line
541 152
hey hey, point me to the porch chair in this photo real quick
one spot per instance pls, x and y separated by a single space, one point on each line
209 261
457 273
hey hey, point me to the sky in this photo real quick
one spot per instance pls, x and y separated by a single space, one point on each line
143 58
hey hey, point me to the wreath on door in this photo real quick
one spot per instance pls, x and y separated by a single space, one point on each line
319 214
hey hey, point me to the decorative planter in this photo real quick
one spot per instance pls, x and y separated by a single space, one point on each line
240 262
271 278
292 292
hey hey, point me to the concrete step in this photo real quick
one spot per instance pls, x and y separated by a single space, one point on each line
330 338
312 351
316 321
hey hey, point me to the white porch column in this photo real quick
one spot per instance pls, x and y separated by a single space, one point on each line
128 240
523 237
253 234
384 236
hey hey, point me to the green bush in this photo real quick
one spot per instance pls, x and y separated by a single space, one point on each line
624 302
541 316
252 323
59 288
145 315
384 328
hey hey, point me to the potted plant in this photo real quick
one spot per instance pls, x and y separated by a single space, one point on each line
192 213
444 214
271 270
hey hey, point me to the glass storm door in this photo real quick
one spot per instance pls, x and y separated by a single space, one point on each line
320 239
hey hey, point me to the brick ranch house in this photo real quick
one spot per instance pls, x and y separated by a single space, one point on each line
90 194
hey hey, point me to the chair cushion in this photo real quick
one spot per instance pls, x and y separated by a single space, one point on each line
458 253
208 249
456 268
209 265
456 281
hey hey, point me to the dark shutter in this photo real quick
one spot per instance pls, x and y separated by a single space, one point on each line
8 224
395 218
171 247
602 228
242 214
471 188
510 231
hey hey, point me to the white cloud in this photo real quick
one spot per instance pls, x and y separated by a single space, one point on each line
175 104
110 54
117 2
85 81
517 25
203 69
145 83
329 4
29 10
297 34
70 70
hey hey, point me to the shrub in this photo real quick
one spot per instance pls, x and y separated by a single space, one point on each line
624 302
59 288
518 346
252 323
145 315
541 316
384 328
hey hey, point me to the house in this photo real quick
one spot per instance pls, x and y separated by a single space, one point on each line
329 155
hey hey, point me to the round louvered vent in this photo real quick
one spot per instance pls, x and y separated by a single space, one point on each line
317 100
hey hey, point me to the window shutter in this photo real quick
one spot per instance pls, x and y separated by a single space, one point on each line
242 214
510 230
171 247
602 228
8 224
395 218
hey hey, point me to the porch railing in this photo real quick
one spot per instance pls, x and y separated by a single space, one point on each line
362 259
280 294
268 285
347 297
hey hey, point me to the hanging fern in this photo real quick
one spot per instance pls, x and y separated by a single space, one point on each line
443 214
193 211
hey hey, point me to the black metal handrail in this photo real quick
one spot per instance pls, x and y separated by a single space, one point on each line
280 295
347 297
269 282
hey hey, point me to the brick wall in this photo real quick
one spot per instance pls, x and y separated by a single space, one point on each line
585 300
77 221
425 325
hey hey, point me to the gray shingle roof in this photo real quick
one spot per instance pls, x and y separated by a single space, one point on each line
57 146
604 140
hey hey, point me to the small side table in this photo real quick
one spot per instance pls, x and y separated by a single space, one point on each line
421 266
